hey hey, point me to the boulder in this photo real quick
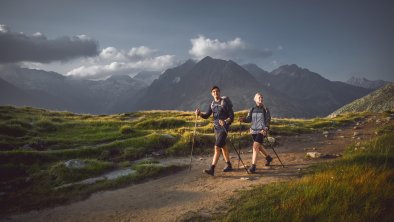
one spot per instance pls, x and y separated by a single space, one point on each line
75 164
313 154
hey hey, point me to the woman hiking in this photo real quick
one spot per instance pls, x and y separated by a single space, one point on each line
260 118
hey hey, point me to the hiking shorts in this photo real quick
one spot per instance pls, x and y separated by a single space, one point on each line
258 137
220 137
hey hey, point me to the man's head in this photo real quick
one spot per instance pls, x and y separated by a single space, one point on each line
258 99
215 92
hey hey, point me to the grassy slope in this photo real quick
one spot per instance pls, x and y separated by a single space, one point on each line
358 187
34 143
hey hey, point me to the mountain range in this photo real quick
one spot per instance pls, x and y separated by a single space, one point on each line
365 83
289 91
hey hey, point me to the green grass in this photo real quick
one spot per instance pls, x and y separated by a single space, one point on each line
356 188
35 142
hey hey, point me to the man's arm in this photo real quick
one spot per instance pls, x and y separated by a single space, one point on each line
207 114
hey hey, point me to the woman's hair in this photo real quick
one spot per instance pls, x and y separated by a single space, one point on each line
256 96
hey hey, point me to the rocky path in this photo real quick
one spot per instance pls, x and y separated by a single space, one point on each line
182 195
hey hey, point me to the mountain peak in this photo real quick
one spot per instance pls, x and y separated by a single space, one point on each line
366 83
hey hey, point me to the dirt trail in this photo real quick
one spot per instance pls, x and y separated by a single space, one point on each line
178 196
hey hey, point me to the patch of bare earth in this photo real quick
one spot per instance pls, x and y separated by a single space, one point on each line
186 194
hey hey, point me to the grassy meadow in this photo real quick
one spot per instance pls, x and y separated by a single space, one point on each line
357 187
35 143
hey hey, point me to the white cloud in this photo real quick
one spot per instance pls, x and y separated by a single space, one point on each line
112 61
235 49
4 28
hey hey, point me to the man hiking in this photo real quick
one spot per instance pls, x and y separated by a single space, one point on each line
223 116
260 118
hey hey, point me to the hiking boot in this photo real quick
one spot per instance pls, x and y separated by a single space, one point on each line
268 160
228 168
210 171
252 169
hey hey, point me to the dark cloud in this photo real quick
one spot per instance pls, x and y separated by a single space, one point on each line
18 47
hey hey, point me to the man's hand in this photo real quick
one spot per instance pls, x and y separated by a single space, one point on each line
197 112
222 122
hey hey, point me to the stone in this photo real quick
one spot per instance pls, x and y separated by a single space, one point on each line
313 154
342 137
325 132
168 136
75 164
356 134
356 127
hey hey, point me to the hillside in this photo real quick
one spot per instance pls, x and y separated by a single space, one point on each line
377 101
51 158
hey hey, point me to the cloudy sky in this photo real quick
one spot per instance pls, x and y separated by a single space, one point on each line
95 39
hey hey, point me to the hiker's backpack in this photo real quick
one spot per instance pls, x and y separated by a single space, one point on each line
225 100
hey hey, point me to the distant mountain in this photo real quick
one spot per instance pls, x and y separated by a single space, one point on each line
77 95
316 94
12 95
365 83
258 73
378 101
188 86
289 91
147 76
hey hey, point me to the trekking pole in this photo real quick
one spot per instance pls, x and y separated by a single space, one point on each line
239 156
273 149
194 135
239 141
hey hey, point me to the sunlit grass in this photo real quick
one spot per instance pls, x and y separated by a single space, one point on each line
35 142
357 188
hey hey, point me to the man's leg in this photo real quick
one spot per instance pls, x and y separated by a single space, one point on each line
216 156
211 171
226 156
